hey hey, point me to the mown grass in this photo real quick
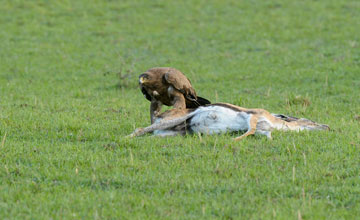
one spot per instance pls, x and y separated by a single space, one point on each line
68 75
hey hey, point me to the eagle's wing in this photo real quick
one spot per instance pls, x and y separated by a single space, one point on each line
180 82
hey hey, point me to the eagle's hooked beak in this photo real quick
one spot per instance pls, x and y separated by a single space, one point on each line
142 79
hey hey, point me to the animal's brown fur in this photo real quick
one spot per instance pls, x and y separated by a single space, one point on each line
174 117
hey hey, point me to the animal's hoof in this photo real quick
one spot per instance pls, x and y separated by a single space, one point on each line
137 132
326 127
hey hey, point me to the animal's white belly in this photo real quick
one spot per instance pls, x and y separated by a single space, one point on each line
217 119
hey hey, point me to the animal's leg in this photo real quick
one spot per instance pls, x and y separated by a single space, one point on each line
137 132
164 124
251 130
155 108
179 100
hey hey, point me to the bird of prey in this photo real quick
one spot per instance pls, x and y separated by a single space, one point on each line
168 86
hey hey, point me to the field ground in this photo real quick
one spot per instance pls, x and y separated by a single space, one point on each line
69 95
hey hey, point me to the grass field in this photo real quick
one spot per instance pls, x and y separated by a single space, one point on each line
69 95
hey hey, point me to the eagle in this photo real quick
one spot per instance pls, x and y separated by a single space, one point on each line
168 86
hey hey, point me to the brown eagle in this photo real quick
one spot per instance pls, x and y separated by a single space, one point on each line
168 86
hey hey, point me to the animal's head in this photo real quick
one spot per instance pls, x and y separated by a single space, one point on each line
154 75
145 78
311 125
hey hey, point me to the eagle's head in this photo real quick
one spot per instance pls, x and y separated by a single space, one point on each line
144 78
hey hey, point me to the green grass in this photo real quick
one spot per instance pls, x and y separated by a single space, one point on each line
69 95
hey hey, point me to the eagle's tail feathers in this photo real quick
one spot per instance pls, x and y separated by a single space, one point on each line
192 102
202 101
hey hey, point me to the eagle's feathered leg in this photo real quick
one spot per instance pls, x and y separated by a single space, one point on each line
155 108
